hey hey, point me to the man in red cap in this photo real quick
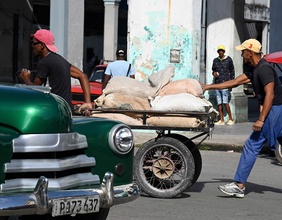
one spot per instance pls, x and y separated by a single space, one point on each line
55 69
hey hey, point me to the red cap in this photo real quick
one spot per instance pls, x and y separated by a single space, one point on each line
46 37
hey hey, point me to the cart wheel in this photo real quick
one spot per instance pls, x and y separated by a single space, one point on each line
164 167
278 152
195 152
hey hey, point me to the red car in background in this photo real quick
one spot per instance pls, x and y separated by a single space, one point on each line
95 81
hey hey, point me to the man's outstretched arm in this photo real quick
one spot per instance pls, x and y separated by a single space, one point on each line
239 80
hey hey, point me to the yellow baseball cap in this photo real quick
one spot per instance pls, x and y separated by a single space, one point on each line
221 47
250 44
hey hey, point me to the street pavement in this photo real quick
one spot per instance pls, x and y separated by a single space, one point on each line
203 201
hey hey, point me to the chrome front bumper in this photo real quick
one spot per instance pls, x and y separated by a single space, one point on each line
40 202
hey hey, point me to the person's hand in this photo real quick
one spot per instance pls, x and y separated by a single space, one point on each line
25 74
258 125
204 87
215 74
84 109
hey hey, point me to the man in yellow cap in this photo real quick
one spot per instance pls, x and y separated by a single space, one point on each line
268 126
223 70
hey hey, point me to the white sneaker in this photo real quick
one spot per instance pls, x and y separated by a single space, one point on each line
230 122
219 123
232 189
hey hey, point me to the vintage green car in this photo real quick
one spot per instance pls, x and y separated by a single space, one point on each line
55 165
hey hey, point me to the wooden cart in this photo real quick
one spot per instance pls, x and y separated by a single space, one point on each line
170 163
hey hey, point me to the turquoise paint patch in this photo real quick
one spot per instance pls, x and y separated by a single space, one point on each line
164 39
150 34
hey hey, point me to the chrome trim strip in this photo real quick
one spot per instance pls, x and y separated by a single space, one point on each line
72 181
41 195
48 165
126 193
36 202
49 142
107 186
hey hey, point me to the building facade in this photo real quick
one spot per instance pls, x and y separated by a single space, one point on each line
185 33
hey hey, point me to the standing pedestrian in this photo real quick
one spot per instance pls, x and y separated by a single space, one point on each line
268 126
120 67
223 70
55 69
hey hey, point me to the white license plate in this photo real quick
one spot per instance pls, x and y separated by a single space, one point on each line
78 205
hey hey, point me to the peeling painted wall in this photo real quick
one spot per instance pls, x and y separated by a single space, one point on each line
156 27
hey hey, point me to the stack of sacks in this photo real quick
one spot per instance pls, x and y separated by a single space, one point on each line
159 93
130 94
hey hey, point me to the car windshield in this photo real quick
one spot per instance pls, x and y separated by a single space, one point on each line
97 75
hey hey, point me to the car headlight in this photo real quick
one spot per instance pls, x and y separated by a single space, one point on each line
121 139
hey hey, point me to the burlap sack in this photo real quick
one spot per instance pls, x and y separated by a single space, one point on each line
121 101
119 117
178 122
191 86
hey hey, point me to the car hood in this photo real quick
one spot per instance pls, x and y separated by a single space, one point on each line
275 57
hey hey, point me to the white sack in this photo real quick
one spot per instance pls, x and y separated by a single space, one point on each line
180 102
191 86
133 87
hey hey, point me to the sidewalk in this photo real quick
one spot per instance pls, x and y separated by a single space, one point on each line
224 137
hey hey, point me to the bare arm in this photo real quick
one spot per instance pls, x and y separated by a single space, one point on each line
105 80
239 80
82 77
25 76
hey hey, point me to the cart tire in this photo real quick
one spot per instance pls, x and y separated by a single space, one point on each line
278 152
195 152
164 167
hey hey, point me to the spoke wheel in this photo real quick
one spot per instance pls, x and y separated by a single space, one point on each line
164 167
195 152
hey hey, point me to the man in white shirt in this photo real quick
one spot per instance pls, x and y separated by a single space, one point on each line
120 67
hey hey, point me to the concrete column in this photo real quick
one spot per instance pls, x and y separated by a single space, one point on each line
110 29
265 38
67 25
